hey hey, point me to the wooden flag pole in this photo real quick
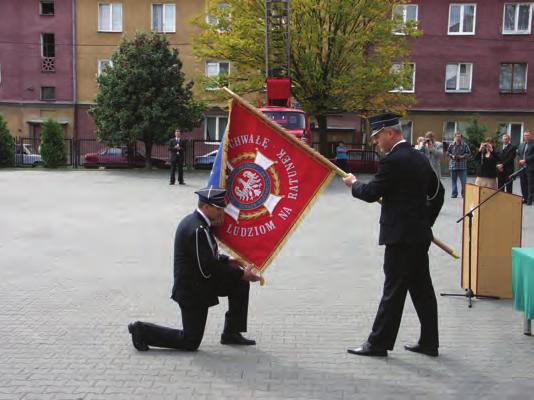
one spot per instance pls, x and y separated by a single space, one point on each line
312 152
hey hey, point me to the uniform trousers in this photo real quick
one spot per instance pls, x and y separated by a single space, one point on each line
527 185
406 270
194 320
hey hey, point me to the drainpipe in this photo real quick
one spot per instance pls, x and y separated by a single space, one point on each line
74 150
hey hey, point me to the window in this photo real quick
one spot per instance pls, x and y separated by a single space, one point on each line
46 7
102 65
407 130
110 17
0 73
450 128
513 129
406 13
516 18
408 76
212 20
163 18
458 77
48 93
48 46
513 78
218 72
215 127
462 19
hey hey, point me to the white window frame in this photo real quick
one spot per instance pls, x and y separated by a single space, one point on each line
512 78
101 63
217 125
403 123
509 129
462 11
210 20
402 90
218 71
166 29
398 30
515 31
458 78
109 28
459 126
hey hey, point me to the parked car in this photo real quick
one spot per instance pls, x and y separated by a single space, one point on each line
24 155
205 161
361 161
117 157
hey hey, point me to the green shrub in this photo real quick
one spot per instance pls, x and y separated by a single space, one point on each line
7 145
52 144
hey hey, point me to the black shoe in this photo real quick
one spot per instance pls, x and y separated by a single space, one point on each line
528 203
367 349
236 338
135 329
181 183
171 183
416 348
453 197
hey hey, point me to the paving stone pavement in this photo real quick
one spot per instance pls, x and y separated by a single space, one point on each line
82 253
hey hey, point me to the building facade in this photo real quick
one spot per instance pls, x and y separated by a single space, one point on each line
471 60
36 65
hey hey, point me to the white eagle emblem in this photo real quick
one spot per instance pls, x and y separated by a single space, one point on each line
250 188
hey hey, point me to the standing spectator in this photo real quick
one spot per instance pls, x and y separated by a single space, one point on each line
458 153
525 153
487 160
177 150
506 167
341 156
433 150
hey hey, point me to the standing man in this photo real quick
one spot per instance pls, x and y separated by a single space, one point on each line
177 150
433 150
406 182
201 275
506 166
458 153
525 153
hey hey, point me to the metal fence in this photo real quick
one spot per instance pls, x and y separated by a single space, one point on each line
28 152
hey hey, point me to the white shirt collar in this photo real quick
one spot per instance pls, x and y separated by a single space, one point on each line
204 216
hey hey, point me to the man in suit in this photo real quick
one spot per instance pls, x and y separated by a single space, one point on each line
412 196
177 150
201 275
525 153
506 167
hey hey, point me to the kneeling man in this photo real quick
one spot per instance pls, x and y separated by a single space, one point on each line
201 275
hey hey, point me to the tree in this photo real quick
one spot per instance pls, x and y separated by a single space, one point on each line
475 136
52 144
7 145
342 53
144 96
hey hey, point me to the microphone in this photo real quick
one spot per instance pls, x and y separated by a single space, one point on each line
514 175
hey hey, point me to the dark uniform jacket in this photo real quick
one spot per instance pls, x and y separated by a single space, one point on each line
405 181
198 267
507 156
529 156
175 153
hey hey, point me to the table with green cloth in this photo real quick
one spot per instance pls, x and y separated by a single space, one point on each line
523 283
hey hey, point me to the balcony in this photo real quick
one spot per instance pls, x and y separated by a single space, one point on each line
48 64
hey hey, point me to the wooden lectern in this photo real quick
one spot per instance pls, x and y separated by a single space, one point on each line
496 229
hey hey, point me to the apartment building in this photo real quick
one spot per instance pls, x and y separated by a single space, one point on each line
36 65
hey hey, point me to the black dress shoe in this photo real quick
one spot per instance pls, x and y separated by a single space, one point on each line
181 183
367 349
171 183
416 348
135 329
236 338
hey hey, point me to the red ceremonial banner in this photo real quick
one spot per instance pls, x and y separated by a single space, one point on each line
271 181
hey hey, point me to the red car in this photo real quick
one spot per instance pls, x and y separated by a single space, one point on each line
115 157
361 161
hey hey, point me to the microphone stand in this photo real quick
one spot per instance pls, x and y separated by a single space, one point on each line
469 291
